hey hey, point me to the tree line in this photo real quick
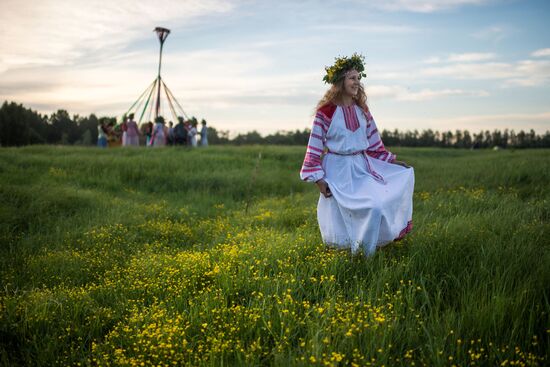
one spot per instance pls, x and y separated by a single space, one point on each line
22 126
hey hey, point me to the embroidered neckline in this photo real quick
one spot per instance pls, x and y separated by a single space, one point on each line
350 117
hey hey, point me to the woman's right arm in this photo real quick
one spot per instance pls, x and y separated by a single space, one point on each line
323 188
312 171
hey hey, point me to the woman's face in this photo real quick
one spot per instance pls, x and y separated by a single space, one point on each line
351 82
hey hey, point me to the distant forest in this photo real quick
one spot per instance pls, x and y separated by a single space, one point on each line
22 126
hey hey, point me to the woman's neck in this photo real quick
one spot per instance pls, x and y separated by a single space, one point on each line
346 100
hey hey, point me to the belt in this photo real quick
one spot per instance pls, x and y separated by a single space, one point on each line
352 153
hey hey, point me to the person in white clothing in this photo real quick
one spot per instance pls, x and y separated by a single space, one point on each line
160 132
193 134
365 196
204 134
132 132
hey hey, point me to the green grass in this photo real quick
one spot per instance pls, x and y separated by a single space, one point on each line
213 257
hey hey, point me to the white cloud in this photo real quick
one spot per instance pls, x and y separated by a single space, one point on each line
521 73
463 57
425 6
493 33
368 27
530 73
492 70
469 57
57 32
543 52
401 93
526 73
429 94
432 60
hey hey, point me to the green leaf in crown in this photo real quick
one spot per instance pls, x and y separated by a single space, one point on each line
342 65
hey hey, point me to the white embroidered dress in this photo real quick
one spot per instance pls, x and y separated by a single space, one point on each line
371 203
159 138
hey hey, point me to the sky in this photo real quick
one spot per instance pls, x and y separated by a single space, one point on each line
258 65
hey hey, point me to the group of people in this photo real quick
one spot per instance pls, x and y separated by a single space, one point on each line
155 135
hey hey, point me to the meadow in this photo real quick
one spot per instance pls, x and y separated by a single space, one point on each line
213 257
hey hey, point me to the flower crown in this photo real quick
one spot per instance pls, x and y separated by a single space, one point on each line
342 65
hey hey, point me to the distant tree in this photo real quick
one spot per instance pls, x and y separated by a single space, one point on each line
521 140
217 137
252 137
504 138
397 137
427 138
86 138
488 141
295 137
390 138
20 126
458 142
466 140
496 139
447 139
408 139
62 128
88 125
532 139
513 140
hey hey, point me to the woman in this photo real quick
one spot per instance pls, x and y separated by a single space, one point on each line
193 134
366 194
204 134
124 128
102 134
132 132
158 137
148 131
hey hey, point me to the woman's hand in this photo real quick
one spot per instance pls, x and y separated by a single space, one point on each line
323 188
403 164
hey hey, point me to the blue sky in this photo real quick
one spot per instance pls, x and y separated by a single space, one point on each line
258 65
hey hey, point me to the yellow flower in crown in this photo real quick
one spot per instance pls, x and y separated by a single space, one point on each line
342 65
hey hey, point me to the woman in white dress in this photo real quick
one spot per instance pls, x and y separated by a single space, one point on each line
158 138
193 134
132 132
366 194
204 134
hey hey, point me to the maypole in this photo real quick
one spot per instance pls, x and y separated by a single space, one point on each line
156 89
162 34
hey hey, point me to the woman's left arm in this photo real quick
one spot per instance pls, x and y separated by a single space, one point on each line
403 164
376 147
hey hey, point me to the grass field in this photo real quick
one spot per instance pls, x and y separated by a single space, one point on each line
213 257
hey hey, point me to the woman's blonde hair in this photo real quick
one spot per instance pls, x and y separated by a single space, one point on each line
334 94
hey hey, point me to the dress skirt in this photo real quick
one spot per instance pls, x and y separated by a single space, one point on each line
364 213
132 140
159 141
